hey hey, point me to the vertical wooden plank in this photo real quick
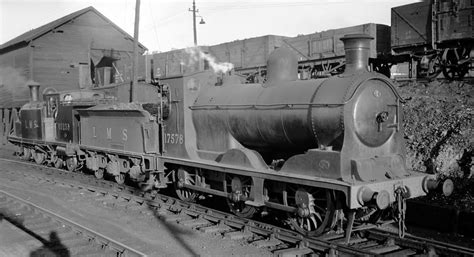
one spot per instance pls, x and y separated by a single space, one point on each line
82 75
6 118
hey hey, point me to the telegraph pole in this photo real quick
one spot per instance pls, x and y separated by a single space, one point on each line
194 21
135 51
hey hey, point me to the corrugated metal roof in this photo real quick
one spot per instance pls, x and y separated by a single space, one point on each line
40 31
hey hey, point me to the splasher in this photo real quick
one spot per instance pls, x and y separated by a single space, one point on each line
195 54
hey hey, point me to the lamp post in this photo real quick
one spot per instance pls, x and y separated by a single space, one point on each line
194 10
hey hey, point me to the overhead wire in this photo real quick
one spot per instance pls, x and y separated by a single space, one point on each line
250 5
154 24
212 7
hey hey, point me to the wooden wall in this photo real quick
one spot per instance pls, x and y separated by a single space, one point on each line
59 54
252 52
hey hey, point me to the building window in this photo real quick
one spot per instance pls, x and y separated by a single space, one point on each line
105 71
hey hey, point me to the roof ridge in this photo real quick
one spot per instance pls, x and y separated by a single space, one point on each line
38 32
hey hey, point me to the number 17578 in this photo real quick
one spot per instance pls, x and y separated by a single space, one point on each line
171 138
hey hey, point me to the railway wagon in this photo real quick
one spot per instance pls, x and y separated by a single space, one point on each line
247 54
323 52
319 54
437 35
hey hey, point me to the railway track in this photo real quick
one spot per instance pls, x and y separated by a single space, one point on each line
60 235
280 241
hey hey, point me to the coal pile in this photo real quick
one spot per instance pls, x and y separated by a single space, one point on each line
439 133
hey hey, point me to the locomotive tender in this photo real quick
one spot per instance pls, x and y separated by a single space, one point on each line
324 151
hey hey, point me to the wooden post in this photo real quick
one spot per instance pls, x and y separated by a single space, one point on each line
133 85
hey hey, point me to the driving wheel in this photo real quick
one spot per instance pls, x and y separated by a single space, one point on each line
240 188
315 209
184 177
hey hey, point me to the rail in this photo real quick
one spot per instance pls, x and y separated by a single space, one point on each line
374 242
102 243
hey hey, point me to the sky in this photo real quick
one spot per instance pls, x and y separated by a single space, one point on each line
168 24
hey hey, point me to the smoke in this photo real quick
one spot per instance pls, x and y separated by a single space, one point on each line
196 54
13 83
11 76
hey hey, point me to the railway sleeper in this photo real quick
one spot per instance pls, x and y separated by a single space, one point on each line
293 252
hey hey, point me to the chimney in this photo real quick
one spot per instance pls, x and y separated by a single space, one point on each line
34 90
357 48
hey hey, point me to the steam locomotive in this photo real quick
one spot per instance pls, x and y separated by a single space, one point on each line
324 151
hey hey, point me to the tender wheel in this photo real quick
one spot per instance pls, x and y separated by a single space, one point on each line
315 209
120 178
39 157
453 67
58 163
455 72
434 68
183 177
53 158
240 188
99 173
26 154
71 164
19 151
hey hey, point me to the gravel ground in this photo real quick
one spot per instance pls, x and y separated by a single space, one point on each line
146 233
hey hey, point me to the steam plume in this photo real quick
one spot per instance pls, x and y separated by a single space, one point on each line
12 86
195 54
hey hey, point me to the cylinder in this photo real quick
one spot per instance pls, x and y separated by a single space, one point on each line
34 90
357 49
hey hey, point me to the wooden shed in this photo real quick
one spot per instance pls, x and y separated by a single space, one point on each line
81 50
